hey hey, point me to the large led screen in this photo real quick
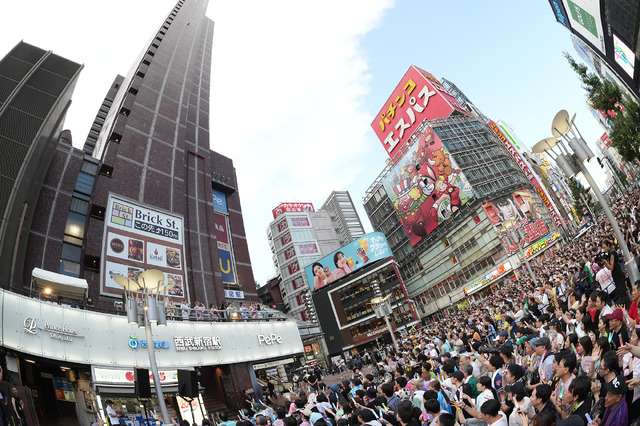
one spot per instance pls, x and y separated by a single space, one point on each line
347 259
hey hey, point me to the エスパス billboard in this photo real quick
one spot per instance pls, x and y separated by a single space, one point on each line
426 186
137 238
418 96
347 259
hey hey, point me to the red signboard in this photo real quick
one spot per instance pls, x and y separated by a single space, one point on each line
292 208
605 139
289 253
294 267
285 239
282 225
419 96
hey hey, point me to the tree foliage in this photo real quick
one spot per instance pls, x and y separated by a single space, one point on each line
577 190
623 112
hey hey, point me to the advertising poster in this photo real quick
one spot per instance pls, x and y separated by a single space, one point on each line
137 238
585 19
516 212
227 266
426 186
561 14
624 56
219 201
511 209
417 97
349 258
509 144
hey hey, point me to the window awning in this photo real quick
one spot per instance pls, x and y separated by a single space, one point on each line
60 285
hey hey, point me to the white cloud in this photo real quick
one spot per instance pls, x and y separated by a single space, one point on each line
287 102
288 84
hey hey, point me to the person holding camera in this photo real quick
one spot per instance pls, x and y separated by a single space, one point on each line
611 260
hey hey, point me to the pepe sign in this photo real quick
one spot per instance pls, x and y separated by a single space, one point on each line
117 245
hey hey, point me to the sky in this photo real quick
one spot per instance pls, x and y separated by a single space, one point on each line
296 84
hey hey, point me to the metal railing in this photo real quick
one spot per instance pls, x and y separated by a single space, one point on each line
173 313
179 313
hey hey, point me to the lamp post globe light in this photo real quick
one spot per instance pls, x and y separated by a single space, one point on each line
146 289
571 162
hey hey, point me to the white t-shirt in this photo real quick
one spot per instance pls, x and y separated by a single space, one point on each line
605 280
113 416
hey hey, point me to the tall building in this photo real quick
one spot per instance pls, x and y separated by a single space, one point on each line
149 147
344 216
145 192
612 34
35 93
297 237
456 198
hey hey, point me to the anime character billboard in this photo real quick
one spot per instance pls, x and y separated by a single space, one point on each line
426 186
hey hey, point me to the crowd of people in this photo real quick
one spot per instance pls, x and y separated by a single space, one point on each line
225 312
560 350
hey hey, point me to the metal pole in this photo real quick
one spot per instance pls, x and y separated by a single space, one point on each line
526 261
632 268
386 319
586 204
154 370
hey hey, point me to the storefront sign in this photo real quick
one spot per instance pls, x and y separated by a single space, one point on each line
292 208
137 238
120 376
269 339
102 340
487 278
135 343
197 343
62 333
273 364
234 294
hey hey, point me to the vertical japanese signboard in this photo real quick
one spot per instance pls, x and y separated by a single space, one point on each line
419 96
137 238
223 238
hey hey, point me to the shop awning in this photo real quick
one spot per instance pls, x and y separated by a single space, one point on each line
130 392
60 285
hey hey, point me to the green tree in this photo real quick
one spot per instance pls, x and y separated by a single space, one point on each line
579 192
623 112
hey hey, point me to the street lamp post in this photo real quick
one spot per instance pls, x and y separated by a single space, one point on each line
573 162
383 309
147 288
